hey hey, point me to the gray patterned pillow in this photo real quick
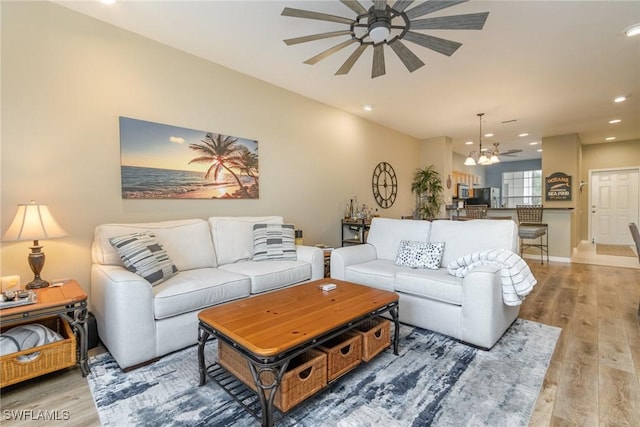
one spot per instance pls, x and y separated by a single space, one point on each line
274 242
420 254
142 254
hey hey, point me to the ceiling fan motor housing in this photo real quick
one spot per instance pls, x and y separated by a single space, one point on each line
379 24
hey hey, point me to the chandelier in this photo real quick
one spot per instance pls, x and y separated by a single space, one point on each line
481 157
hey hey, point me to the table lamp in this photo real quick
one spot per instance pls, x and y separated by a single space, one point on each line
33 221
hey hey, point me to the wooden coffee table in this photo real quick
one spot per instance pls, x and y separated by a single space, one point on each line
271 329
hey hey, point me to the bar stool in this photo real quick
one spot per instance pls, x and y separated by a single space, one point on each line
476 211
531 227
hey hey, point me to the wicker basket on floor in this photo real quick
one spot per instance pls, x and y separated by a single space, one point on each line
305 375
51 357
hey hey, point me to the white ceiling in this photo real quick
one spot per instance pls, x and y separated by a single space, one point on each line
554 66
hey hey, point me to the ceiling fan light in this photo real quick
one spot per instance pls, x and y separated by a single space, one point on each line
469 161
494 159
379 31
483 160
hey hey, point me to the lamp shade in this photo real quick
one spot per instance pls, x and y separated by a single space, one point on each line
33 221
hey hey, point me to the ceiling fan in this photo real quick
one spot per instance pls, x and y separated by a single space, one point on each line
508 153
382 24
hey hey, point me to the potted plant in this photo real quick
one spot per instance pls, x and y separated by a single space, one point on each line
427 186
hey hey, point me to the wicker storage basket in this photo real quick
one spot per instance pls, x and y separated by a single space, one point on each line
52 357
305 376
343 354
375 335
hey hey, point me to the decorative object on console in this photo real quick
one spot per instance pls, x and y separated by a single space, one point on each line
384 184
382 24
33 221
168 162
428 188
481 157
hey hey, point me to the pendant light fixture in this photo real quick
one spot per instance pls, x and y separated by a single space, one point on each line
482 158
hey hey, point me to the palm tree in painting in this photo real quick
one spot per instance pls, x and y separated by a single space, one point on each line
249 163
223 154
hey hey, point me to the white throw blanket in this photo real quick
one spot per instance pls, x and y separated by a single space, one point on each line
517 279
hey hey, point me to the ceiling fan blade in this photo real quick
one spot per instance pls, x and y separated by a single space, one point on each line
351 60
401 5
355 6
380 4
378 68
471 21
445 47
298 13
330 51
430 7
510 152
313 37
408 58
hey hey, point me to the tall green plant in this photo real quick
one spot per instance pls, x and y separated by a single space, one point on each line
427 186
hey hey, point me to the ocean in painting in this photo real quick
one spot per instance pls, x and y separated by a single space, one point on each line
152 183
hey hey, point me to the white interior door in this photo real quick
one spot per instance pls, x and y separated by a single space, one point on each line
614 204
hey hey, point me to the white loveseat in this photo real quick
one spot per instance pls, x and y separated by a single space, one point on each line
138 322
470 309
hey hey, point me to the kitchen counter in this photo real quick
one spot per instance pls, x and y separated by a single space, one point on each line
561 230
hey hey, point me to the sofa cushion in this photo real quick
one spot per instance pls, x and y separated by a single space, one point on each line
266 276
378 273
274 242
233 236
386 234
142 254
465 237
197 289
438 284
415 254
187 242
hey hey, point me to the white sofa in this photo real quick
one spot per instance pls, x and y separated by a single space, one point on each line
469 309
138 322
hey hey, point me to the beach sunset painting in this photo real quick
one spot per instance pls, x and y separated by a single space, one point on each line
160 161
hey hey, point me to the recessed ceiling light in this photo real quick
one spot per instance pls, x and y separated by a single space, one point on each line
367 107
523 134
633 30
614 121
620 99
610 138
468 143
488 135
533 143
539 150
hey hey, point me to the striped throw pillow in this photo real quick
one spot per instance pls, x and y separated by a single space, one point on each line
142 254
274 242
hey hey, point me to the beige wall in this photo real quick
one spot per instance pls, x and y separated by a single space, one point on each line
66 79
623 154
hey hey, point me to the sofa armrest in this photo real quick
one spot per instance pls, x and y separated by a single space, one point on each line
341 258
485 317
122 303
314 256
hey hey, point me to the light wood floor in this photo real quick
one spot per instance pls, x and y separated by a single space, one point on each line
593 378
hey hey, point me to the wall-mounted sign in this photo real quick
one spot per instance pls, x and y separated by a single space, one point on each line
557 186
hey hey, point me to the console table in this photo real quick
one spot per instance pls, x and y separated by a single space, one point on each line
68 301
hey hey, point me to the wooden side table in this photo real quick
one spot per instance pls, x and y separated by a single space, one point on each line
68 301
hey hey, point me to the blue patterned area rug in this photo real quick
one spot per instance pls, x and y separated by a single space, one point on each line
434 381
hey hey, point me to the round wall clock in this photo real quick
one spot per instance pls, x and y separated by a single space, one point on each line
384 184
